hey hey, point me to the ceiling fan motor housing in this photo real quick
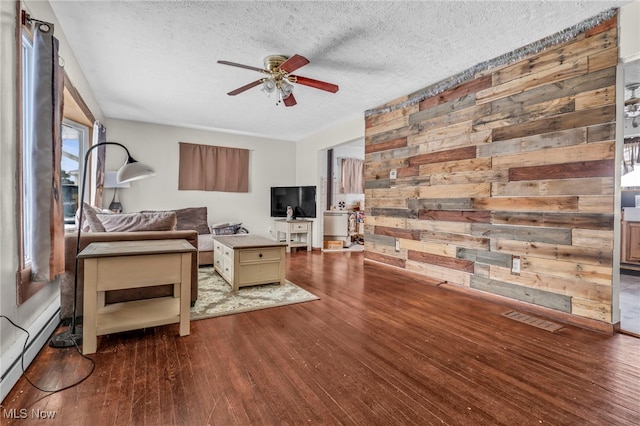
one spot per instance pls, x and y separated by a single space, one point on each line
272 62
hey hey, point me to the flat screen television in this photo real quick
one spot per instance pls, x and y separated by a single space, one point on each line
301 198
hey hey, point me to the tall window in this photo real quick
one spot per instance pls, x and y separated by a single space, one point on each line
27 142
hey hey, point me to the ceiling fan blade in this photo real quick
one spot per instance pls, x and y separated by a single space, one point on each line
632 101
245 87
248 67
317 84
293 63
289 100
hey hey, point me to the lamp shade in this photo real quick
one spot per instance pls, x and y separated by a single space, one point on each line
134 170
111 180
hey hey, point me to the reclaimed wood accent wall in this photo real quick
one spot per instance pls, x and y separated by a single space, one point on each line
518 161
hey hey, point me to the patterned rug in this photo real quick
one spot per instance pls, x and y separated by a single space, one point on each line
215 297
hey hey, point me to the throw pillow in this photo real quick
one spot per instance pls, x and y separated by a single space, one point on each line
90 216
193 218
132 222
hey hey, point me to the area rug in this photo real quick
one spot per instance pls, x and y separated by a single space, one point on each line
215 297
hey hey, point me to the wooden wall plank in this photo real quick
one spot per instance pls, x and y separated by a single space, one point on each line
522 233
429 247
530 143
571 288
482 216
554 220
385 146
462 190
485 256
472 164
515 204
383 258
602 256
591 309
560 72
575 170
570 154
589 117
457 92
410 234
518 292
439 273
592 238
488 176
463 265
560 268
444 156
584 187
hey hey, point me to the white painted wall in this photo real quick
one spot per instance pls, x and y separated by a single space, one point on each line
630 31
38 314
271 163
311 160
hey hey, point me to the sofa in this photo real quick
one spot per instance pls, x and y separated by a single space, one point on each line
104 226
67 279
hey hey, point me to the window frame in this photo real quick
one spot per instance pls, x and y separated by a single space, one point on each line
84 132
76 110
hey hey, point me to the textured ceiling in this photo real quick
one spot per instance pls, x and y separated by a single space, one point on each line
156 61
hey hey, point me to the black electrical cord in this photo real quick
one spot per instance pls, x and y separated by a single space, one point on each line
52 391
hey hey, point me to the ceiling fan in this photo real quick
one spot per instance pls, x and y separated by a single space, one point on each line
279 69
632 105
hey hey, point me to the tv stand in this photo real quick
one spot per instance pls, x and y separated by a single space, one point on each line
297 233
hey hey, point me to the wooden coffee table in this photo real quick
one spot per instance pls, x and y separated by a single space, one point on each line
244 260
131 264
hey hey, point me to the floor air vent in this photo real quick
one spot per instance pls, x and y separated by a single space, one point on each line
536 322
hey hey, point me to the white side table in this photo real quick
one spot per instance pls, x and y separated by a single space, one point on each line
297 233
132 264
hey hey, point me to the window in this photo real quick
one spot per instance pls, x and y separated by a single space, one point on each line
74 144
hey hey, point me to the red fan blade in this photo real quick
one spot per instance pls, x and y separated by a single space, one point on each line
317 84
248 67
245 87
293 63
290 100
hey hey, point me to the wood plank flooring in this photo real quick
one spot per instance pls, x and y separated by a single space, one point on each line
376 349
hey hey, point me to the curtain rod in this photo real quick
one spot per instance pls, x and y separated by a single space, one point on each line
44 25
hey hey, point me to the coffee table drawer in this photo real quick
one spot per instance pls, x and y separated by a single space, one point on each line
259 273
259 255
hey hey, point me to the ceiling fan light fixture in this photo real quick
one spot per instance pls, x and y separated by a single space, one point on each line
286 88
268 86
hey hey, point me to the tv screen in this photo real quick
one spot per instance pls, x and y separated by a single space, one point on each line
301 198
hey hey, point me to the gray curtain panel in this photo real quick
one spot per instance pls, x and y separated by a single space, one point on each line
100 157
47 238
213 168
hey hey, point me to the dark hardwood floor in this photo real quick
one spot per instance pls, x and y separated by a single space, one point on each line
376 349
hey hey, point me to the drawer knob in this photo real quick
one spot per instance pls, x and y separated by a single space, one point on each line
260 255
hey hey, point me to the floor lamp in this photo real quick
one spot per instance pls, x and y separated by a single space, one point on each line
130 171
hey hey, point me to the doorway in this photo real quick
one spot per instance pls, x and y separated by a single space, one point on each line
629 295
343 207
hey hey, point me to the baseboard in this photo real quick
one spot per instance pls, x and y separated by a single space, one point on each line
40 332
567 318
